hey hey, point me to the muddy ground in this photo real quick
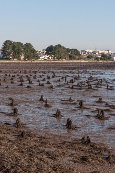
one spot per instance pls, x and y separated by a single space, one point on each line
35 137
50 153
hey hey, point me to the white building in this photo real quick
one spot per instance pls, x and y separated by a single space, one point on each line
96 53
113 57
44 57
22 57
0 55
104 51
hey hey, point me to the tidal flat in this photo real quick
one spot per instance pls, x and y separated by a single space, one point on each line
57 117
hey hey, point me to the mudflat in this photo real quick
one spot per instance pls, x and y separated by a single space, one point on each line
57 117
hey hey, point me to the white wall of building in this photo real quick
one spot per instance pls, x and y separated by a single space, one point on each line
113 58
0 55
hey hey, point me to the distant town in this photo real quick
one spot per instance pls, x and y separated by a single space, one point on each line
97 53
84 53
19 51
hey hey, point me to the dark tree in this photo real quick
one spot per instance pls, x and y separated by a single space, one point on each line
60 52
7 49
17 50
29 52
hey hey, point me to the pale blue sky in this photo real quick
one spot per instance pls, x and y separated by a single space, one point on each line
73 23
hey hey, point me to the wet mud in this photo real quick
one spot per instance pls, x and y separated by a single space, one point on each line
68 108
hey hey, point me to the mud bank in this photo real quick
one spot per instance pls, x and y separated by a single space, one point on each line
69 65
48 153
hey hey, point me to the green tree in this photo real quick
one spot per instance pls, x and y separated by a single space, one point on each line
74 54
60 52
105 57
90 57
29 52
17 50
7 49
14 50
50 50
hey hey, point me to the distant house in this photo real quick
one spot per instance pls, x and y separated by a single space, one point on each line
113 57
95 53
43 57
22 57
1 55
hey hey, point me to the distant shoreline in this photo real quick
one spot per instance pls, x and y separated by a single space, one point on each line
48 61
58 65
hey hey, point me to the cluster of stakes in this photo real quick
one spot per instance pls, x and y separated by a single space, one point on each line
15 112
89 84
18 123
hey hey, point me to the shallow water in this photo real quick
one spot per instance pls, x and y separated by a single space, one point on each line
35 115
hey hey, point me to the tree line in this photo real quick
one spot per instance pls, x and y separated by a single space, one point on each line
16 50
60 52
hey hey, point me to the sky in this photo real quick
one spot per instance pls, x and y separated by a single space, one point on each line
81 24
